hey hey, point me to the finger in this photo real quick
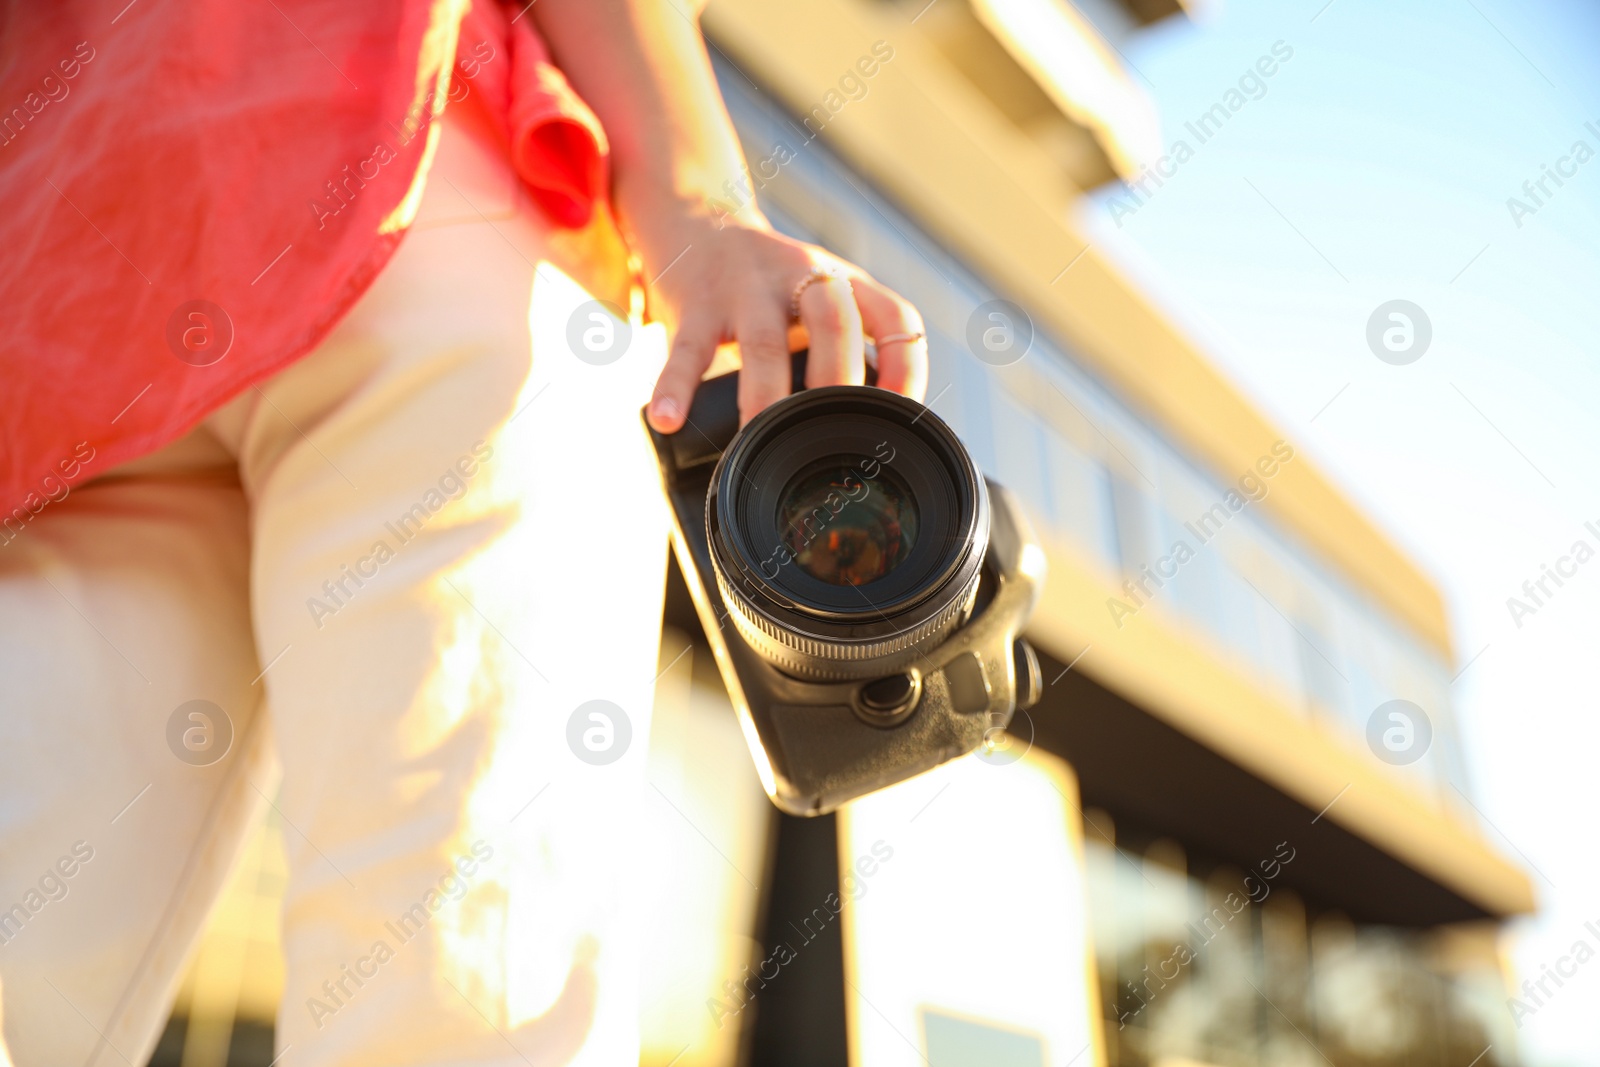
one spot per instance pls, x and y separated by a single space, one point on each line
693 345
763 357
837 351
902 363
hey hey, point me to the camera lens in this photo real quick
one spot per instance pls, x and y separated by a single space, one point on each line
872 532
847 528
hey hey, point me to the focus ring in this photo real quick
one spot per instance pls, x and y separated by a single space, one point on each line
822 659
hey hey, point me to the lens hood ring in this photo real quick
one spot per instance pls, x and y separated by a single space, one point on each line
822 658
900 564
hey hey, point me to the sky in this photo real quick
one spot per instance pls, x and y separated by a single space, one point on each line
1375 164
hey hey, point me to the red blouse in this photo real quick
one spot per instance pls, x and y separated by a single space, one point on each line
195 194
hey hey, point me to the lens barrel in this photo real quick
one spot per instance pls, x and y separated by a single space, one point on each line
847 527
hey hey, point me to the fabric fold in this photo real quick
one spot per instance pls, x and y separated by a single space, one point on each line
557 145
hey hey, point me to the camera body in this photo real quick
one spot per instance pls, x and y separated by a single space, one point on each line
844 686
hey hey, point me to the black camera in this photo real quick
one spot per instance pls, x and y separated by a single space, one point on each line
863 586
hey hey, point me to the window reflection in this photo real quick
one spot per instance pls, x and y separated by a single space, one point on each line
1208 964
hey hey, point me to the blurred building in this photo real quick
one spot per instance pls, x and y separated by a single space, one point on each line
1236 628
1216 840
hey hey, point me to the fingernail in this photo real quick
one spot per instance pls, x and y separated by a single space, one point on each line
664 409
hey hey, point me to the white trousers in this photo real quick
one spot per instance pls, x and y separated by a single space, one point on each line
398 573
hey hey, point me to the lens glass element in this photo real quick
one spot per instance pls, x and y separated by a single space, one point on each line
844 528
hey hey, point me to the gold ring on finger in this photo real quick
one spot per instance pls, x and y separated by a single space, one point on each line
899 338
815 274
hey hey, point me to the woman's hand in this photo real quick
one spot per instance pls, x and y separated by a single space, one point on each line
714 277
713 281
